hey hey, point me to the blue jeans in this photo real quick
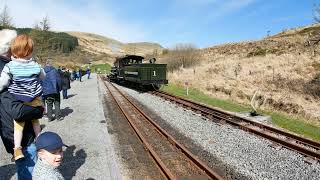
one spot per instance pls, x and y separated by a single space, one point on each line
65 93
25 165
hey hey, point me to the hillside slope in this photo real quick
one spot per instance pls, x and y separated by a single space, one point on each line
284 69
97 44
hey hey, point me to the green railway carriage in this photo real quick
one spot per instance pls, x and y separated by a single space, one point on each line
131 69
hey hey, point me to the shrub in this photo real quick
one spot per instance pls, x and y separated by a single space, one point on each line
257 52
165 51
183 55
316 66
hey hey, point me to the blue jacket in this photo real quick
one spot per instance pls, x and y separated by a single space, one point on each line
52 83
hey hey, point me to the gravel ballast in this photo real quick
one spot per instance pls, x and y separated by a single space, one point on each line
251 156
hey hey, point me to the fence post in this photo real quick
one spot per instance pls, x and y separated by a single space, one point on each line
187 87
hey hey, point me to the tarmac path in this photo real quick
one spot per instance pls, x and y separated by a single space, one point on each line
90 154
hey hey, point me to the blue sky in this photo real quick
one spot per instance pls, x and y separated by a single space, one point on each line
203 23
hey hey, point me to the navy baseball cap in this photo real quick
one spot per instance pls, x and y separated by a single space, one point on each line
49 141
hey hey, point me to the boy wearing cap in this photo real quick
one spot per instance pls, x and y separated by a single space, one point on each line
49 147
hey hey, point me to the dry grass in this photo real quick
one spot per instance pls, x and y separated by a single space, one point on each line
97 44
280 80
284 68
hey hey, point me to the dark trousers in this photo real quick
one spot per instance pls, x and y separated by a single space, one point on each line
53 99
65 93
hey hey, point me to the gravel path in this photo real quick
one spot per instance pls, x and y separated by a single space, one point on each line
251 156
90 154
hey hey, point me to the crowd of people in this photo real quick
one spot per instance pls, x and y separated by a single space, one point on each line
27 92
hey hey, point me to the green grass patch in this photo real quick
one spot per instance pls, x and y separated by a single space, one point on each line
100 68
295 125
199 96
278 119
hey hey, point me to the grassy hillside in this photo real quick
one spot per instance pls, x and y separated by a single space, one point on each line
73 49
283 69
97 44
50 44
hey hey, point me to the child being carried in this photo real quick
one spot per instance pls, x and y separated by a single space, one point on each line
23 78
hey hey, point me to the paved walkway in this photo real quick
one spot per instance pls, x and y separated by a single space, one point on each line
90 154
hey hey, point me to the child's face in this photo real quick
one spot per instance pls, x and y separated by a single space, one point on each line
52 158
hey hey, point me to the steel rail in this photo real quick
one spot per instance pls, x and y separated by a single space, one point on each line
249 125
200 164
164 170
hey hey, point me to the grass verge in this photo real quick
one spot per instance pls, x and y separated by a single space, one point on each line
295 125
100 68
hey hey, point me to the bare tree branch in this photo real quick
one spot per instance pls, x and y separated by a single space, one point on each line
5 18
45 24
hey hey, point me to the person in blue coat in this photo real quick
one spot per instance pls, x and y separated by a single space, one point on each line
88 72
51 87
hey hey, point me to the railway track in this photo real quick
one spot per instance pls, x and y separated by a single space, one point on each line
307 147
172 158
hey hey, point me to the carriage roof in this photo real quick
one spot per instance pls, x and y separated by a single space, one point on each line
129 59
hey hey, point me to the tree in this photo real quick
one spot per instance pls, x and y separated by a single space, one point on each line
5 19
45 24
36 26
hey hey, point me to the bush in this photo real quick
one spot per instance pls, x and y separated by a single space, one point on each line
313 88
258 52
165 51
316 66
316 79
183 55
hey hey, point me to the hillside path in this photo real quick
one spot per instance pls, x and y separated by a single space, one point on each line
90 154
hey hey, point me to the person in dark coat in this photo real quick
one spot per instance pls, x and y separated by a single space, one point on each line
88 72
13 109
65 82
51 87
80 74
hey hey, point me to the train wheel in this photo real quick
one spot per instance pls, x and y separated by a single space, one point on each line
156 87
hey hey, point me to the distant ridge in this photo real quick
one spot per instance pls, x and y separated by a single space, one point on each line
98 44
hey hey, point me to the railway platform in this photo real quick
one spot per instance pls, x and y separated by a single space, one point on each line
90 154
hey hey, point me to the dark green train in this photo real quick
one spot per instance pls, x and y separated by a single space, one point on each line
131 70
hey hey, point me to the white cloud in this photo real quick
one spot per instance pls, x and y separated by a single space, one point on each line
93 17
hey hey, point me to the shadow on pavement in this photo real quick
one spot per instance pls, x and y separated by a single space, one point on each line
72 161
66 111
71 95
7 171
